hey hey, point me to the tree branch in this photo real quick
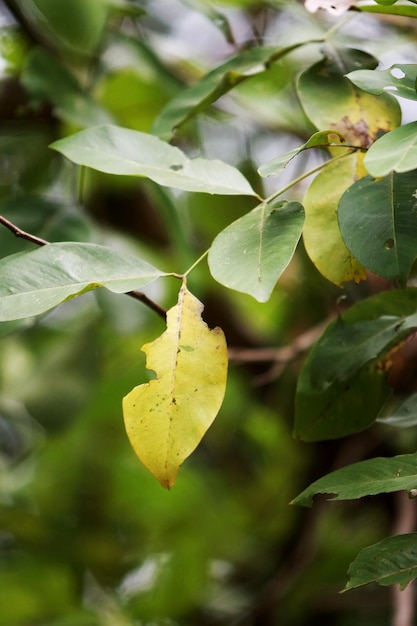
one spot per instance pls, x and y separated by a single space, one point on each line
138 295
22 233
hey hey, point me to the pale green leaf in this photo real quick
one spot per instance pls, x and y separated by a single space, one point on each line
378 224
398 80
121 151
36 281
394 151
321 139
252 252
392 561
167 417
366 478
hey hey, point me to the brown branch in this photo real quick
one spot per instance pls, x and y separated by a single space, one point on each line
404 601
138 295
280 355
22 233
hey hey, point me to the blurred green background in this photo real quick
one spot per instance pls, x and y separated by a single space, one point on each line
87 536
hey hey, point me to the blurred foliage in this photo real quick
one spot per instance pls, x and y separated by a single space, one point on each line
87 536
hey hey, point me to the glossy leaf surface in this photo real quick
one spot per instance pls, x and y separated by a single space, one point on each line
252 252
166 418
36 281
121 151
378 225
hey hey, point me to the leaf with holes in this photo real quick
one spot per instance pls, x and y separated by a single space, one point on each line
252 252
398 80
167 417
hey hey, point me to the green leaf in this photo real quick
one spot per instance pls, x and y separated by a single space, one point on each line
115 150
252 252
34 282
344 408
74 24
342 386
47 79
404 415
398 80
404 10
366 478
395 151
321 234
363 333
392 561
215 84
331 101
378 225
166 418
321 139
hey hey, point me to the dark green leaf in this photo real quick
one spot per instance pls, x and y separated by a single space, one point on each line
404 10
342 386
366 478
392 561
34 282
378 224
252 252
121 151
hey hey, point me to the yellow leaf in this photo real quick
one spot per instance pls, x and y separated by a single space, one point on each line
166 418
321 234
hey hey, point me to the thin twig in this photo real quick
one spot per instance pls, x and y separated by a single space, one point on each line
22 233
280 355
138 295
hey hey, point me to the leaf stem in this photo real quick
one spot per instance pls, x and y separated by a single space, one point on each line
190 269
306 175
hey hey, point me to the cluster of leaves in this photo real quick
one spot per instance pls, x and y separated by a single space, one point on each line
357 216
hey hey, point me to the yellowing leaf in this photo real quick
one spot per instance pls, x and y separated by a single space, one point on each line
166 418
321 234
